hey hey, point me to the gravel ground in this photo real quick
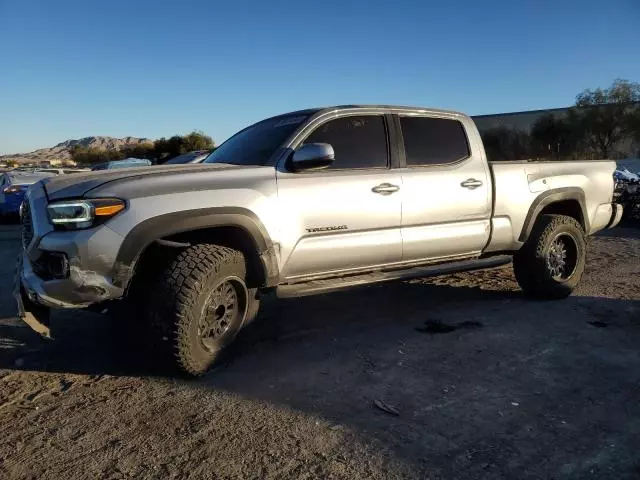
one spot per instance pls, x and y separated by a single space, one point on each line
485 384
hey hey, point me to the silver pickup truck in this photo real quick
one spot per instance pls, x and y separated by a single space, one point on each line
303 203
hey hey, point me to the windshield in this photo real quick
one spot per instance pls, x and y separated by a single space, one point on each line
255 145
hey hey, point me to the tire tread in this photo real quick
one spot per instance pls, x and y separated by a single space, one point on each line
178 290
529 263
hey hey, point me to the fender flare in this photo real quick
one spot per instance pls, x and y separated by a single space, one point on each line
155 228
550 197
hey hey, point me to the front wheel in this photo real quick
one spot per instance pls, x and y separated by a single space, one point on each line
551 262
202 302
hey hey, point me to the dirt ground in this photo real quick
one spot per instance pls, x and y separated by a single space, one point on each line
486 384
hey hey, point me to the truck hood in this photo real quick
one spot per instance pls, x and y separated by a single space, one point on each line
77 185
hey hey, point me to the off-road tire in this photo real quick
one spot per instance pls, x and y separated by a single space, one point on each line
530 264
179 301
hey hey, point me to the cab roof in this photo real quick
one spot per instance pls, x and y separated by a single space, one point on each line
382 108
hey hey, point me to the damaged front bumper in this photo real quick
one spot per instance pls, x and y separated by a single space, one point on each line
80 288
72 292
33 314
35 297
62 269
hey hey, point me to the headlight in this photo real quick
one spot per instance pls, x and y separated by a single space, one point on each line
77 214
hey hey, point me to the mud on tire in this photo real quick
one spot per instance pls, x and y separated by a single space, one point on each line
199 305
551 262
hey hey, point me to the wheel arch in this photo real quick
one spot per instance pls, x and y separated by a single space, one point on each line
233 227
568 201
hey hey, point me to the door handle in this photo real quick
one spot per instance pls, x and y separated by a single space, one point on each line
385 189
471 183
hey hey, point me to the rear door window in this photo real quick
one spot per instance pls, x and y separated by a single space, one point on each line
433 141
357 141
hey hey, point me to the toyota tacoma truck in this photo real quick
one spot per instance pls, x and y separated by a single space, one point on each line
303 203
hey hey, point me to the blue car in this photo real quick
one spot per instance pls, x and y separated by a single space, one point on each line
13 186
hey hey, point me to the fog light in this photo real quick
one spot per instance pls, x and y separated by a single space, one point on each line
52 266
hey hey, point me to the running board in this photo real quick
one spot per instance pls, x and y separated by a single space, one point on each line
314 287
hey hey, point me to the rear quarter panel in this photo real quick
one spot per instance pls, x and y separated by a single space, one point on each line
517 185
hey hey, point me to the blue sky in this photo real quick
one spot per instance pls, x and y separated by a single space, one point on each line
70 69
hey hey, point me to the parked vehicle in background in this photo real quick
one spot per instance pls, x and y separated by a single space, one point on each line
127 163
304 203
13 186
62 171
627 192
197 156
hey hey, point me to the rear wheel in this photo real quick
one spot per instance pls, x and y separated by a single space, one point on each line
551 262
201 304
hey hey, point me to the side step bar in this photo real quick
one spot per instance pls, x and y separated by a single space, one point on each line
338 283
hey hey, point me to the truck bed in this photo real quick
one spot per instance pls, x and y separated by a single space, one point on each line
519 185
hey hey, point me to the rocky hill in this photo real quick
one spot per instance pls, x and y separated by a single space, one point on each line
62 151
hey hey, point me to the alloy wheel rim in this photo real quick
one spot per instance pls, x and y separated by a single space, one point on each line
562 257
223 310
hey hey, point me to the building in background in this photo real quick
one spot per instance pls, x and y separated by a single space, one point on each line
525 120
516 120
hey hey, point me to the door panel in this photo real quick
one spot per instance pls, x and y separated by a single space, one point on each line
346 217
446 207
444 240
336 222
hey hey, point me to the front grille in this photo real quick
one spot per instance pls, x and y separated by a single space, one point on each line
27 225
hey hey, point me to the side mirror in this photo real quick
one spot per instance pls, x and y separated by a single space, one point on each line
312 156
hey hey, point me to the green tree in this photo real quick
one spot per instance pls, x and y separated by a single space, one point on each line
198 141
90 155
165 149
503 143
162 149
552 136
139 150
604 117
176 146
634 126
